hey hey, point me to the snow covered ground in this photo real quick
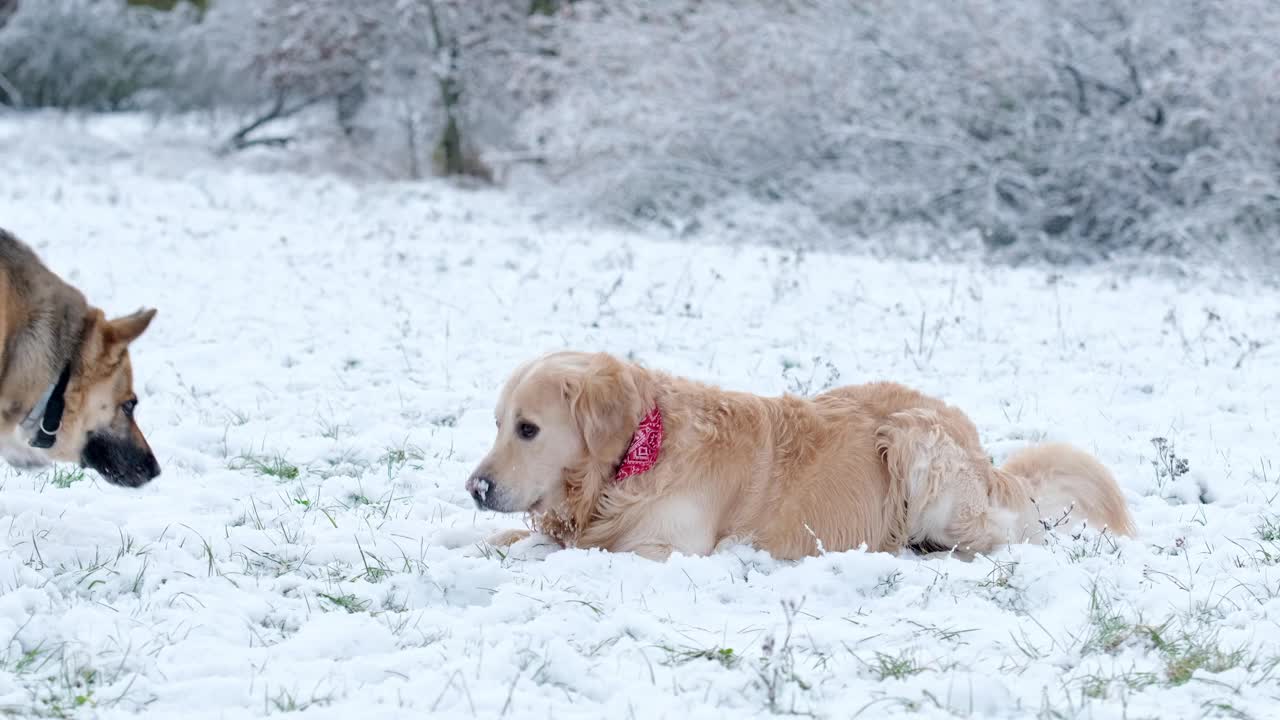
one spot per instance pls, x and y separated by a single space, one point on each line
319 383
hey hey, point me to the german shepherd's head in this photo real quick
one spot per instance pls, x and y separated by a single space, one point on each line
98 428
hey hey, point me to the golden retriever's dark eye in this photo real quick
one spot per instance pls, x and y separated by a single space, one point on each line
128 406
527 430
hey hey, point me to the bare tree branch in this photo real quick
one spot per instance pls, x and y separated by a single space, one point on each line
280 110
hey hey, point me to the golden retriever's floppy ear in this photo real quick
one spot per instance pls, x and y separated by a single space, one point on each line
125 330
605 403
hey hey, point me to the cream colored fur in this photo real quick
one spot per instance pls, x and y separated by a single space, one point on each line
876 465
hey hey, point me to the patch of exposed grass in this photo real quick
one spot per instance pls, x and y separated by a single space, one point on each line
270 465
1191 652
348 602
397 458
1098 686
1268 528
776 668
1109 628
64 477
900 666
681 656
1192 647
287 702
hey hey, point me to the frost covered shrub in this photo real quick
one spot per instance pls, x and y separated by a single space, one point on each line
322 47
445 76
1068 129
118 55
91 54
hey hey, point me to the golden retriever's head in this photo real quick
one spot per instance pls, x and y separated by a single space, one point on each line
564 422
98 429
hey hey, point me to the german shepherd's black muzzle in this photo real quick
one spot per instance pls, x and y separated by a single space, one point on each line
120 460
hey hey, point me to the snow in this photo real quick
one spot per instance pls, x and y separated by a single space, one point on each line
319 384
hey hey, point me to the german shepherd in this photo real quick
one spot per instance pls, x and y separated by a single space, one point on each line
66 383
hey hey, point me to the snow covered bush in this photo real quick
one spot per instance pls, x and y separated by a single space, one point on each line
1060 130
1072 129
91 54
422 82
445 72
302 54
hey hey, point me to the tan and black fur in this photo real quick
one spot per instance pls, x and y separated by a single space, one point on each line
877 465
47 326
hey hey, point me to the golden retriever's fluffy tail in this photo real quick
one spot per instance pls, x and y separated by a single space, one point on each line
1069 485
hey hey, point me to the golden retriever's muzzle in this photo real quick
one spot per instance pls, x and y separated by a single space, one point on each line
481 489
119 460
488 494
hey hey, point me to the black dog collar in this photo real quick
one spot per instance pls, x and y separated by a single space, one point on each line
47 433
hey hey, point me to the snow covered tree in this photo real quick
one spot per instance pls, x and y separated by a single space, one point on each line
9 94
169 4
1072 129
305 53
444 67
93 54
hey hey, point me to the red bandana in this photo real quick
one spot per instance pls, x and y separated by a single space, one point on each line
645 444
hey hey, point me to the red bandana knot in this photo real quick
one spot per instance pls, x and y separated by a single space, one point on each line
645 444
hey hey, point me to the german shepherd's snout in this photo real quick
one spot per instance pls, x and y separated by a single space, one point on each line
122 461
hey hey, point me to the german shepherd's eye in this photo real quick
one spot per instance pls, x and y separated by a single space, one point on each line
128 407
527 430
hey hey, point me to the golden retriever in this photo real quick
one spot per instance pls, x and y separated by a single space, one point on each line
878 465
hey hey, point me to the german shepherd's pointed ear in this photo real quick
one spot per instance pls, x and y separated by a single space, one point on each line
604 401
124 330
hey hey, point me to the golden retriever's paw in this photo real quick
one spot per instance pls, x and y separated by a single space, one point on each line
732 542
516 545
507 538
657 552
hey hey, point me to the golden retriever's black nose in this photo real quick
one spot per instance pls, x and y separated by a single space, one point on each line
478 486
